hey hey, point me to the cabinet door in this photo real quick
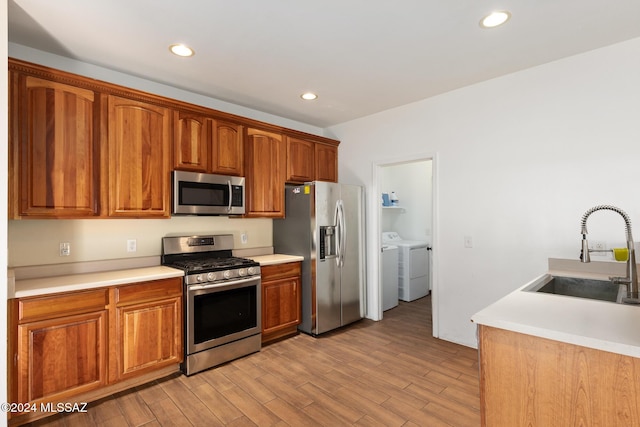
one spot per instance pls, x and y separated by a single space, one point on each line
227 153
192 142
281 303
326 162
59 155
300 160
148 327
265 171
139 168
149 336
62 357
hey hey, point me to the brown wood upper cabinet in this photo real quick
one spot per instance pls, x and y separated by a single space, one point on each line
300 160
309 160
54 131
139 158
227 154
326 162
191 141
83 148
265 155
207 145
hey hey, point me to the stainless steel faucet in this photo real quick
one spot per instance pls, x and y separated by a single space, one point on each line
632 274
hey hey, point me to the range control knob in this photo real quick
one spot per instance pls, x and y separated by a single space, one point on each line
227 274
199 278
242 272
211 277
252 270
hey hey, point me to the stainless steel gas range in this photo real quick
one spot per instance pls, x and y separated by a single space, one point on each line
222 300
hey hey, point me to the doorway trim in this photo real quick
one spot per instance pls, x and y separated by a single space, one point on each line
377 226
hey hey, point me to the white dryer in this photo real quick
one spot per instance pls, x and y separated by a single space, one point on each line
413 266
390 292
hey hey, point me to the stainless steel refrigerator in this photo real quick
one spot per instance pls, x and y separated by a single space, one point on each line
324 223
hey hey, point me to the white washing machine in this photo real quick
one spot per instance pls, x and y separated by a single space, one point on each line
413 265
389 277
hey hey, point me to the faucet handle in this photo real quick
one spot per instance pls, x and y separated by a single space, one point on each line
618 280
584 253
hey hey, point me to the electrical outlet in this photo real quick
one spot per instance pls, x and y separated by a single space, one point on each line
243 238
65 248
468 242
132 245
598 245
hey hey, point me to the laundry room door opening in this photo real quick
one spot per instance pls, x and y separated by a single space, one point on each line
407 213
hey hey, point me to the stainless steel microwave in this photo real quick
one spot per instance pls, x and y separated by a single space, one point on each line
207 194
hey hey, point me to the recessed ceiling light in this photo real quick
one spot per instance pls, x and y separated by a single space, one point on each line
495 19
308 96
181 50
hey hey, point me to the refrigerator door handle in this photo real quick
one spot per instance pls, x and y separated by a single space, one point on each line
338 232
342 233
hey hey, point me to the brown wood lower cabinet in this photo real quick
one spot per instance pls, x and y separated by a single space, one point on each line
61 357
280 300
149 326
532 381
76 345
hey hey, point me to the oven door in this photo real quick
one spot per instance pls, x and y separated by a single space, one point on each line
220 313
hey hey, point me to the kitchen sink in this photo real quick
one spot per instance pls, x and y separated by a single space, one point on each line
602 290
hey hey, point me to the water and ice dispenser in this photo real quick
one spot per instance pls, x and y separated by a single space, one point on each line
327 242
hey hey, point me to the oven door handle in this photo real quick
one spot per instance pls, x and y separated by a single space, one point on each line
224 284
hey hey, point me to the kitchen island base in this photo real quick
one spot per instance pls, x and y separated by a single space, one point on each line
527 380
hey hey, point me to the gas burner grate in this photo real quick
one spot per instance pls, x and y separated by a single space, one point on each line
212 264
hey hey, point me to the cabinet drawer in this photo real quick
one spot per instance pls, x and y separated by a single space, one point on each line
149 291
58 305
278 271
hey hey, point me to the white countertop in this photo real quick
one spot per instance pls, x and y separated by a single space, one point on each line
276 259
26 287
75 282
590 323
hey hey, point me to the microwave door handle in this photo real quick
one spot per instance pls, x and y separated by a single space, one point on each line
230 195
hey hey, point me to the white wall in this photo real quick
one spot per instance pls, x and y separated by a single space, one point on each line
519 160
413 185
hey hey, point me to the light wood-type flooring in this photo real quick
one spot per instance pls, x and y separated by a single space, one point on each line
387 373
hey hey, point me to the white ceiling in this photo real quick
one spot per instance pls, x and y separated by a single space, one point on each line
359 56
